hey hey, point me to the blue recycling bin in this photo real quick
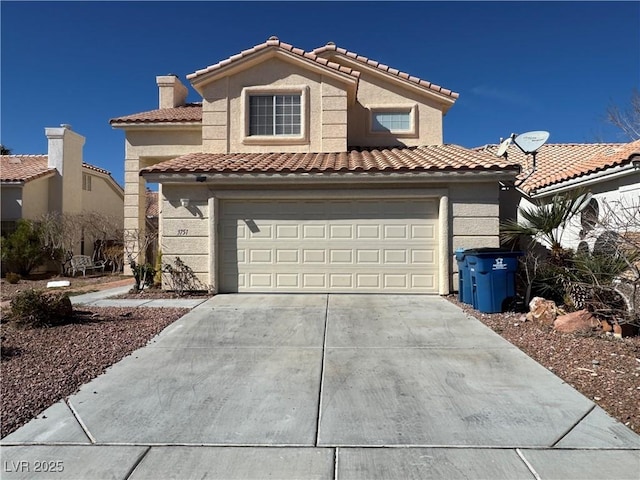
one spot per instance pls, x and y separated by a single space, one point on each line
464 277
492 274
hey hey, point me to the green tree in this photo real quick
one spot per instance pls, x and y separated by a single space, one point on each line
4 150
22 250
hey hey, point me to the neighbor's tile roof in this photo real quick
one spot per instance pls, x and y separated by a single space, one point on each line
330 47
191 112
23 168
425 158
274 42
559 162
152 208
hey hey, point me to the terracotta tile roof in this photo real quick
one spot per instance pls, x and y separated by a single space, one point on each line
23 168
191 112
559 162
330 47
274 42
425 158
152 208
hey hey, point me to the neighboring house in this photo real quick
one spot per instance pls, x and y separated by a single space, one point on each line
318 171
609 171
34 185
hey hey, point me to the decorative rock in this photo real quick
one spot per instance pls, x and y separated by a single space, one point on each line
580 321
606 326
544 311
58 283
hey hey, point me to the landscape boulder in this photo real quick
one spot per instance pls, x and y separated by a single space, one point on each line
541 310
580 321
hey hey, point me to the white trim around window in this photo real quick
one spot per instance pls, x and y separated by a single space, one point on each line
276 91
402 120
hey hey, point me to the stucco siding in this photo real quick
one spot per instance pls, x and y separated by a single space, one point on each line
185 230
225 109
375 93
103 199
35 198
474 218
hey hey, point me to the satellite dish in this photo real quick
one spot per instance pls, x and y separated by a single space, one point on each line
502 149
529 142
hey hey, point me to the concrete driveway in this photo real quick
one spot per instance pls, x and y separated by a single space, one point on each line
325 386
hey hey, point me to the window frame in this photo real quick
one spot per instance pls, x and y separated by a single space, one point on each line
283 139
411 110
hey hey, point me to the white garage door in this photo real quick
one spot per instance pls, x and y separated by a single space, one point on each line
329 246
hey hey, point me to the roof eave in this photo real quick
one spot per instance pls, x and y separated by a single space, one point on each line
611 173
156 125
198 82
446 100
336 177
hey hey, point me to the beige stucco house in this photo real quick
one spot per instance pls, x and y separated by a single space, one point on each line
320 171
34 185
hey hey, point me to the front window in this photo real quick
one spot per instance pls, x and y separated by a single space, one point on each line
275 115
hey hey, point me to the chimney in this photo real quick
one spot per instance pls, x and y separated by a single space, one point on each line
65 155
172 93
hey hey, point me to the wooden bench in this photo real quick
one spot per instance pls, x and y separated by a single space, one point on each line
82 263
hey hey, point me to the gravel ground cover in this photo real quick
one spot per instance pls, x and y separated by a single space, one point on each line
81 284
603 368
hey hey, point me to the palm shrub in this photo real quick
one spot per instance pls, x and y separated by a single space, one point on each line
543 225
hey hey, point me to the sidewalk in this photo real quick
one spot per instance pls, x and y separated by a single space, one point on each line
102 298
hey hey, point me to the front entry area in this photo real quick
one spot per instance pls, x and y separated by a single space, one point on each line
337 245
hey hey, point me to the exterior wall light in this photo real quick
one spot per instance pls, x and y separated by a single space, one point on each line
184 202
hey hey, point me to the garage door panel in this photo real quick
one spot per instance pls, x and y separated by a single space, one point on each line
337 246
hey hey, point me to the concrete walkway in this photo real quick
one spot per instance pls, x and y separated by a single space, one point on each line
103 298
325 387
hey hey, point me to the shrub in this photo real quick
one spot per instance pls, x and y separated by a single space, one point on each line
181 278
13 278
36 308
143 274
22 250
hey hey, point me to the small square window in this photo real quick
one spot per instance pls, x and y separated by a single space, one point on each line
391 122
396 120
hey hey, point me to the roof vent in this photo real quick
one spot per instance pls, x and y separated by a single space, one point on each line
65 125
331 43
273 37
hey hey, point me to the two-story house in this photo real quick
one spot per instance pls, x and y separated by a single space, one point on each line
320 171
59 181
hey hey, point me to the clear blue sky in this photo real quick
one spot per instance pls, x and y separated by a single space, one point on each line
518 66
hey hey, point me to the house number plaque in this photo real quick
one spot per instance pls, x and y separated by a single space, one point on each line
183 232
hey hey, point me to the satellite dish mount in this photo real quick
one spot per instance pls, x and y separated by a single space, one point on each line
529 143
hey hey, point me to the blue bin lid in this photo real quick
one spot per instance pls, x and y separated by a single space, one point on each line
492 251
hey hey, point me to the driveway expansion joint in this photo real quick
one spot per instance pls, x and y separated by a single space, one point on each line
80 422
572 427
527 464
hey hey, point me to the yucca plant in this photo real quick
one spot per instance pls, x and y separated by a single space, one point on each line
545 222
